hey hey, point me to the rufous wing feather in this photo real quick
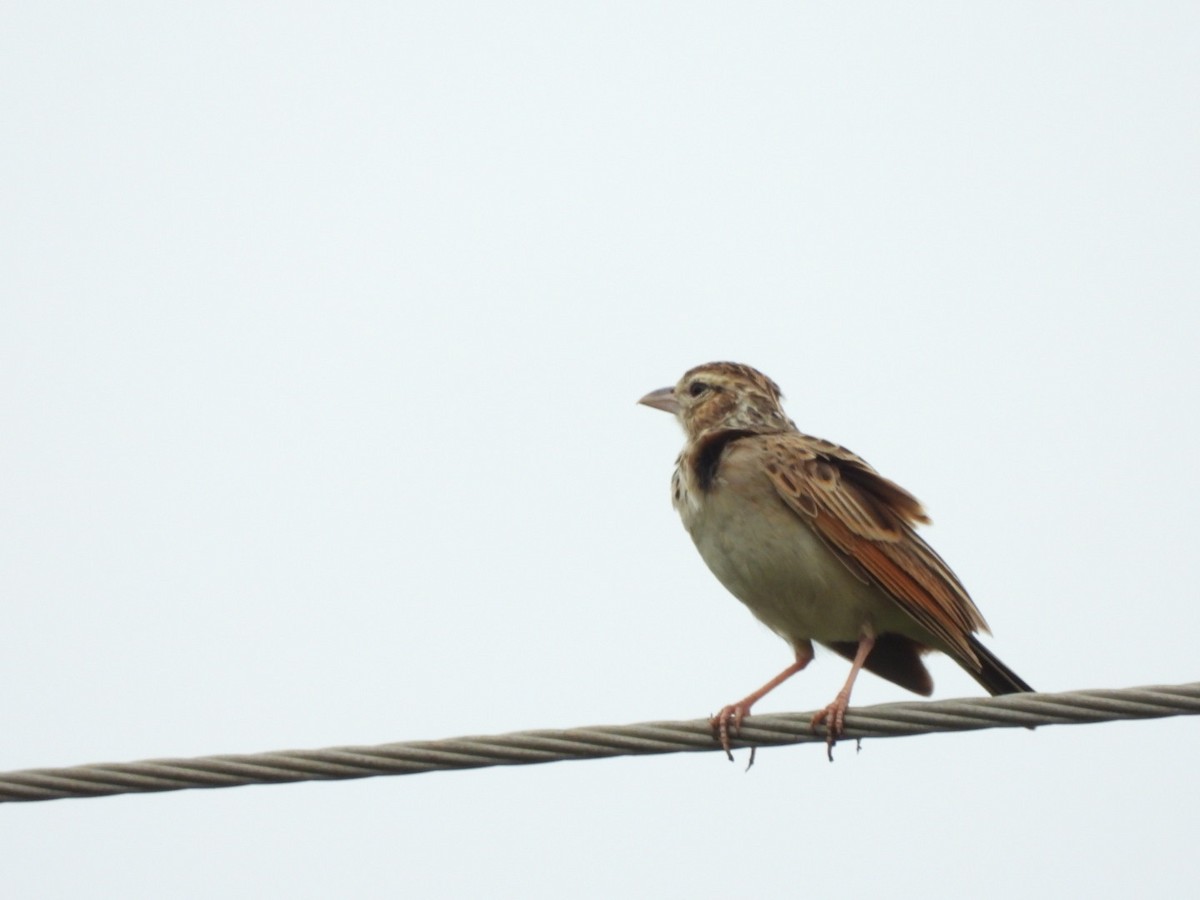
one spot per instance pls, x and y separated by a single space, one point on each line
868 521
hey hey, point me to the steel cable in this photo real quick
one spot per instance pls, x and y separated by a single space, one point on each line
527 747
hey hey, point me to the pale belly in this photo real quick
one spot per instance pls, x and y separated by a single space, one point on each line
768 558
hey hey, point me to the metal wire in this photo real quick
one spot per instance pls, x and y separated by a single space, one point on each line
526 747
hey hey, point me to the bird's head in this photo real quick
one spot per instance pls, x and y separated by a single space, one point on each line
723 396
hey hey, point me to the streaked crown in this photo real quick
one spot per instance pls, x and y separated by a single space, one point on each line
725 395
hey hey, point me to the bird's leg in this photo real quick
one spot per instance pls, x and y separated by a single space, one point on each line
834 715
729 720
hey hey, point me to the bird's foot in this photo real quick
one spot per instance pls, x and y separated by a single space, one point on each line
727 724
834 718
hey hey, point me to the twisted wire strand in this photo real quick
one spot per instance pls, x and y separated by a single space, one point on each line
527 747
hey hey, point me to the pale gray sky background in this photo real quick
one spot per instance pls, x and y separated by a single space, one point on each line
322 330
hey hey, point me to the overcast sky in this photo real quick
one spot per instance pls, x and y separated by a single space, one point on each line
321 333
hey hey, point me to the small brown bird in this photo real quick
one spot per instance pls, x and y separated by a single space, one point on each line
816 543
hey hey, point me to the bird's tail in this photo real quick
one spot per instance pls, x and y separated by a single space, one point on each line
995 676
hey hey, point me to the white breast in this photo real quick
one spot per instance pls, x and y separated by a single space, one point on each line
772 561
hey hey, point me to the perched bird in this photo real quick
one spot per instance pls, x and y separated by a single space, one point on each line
816 543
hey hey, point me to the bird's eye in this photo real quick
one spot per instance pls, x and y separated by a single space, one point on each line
697 388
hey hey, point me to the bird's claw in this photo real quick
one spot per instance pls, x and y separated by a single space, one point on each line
834 718
727 724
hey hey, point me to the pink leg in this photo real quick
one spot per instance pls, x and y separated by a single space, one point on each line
834 715
729 720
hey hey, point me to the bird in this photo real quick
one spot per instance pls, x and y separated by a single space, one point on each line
818 545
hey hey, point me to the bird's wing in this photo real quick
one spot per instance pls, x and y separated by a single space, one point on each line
868 521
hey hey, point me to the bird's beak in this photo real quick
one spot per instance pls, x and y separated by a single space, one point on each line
663 398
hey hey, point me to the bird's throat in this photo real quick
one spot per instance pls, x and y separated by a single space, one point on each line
704 458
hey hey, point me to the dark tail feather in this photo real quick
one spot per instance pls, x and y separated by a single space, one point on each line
995 676
896 658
